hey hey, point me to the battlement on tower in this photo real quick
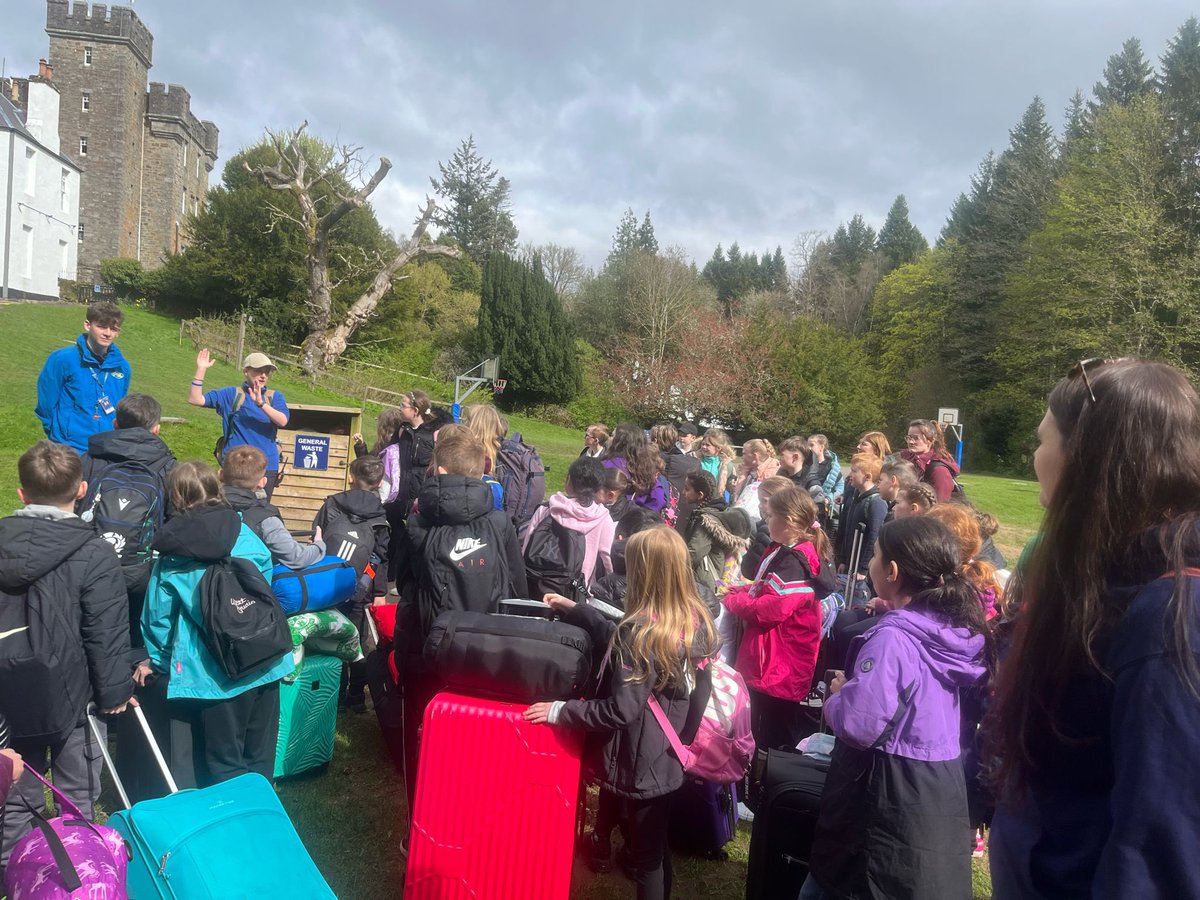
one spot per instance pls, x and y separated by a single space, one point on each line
173 103
98 21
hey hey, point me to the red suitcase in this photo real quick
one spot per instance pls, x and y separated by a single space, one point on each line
496 804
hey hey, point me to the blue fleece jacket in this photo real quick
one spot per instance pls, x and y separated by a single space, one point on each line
69 390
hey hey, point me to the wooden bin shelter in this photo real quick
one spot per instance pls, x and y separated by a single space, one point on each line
315 447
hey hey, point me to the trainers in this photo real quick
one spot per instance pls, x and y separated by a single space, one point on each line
980 846
598 853
744 813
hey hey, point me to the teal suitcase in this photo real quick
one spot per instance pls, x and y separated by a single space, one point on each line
308 716
233 839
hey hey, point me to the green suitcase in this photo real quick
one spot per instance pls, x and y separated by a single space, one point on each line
308 716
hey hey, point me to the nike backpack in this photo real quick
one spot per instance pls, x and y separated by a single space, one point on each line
126 509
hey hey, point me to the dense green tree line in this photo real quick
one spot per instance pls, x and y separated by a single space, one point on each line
1068 243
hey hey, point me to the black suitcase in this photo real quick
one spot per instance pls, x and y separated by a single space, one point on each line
703 818
516 658
784 825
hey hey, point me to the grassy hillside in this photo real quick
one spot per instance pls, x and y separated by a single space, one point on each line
353 816
163 366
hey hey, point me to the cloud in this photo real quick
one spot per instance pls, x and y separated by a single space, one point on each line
749 123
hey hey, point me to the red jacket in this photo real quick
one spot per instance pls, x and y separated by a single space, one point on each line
782 617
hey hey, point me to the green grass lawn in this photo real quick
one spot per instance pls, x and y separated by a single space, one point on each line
353 816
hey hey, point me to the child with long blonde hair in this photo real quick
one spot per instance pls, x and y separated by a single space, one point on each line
781 614
655 649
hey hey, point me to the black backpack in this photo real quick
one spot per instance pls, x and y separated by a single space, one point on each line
126 509
522 475
41 692
554 560
243 624
353 539
460 570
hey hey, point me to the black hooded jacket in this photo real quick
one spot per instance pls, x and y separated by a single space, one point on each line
206 534
630 519
628 751
75 573
107 448
359 506
463 554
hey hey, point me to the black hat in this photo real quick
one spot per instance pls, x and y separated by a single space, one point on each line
688 428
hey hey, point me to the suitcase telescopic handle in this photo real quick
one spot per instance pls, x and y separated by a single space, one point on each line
532 608
154 749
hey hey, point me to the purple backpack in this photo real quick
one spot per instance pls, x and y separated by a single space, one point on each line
67 857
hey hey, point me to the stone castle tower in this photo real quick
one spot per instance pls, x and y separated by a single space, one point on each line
145 156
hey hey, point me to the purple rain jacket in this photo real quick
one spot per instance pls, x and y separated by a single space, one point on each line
902 693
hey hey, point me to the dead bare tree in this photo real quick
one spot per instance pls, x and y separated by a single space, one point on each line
324 199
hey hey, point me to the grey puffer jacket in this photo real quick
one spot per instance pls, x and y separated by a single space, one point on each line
628 752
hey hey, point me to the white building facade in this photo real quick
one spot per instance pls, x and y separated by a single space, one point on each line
39 193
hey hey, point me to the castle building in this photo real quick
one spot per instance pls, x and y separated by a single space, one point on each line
144 155
39 191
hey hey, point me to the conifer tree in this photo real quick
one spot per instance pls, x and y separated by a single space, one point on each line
475 211
1179 85
1013 207
899 240
646 242
522 321
1127 75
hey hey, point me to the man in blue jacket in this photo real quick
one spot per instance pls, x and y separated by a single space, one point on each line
80 386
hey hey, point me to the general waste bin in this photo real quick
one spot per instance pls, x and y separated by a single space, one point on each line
315 456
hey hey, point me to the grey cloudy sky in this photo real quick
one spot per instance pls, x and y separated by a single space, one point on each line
750 122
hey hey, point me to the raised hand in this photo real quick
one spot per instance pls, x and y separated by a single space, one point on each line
204 361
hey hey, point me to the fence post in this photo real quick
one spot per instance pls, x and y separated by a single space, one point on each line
241 341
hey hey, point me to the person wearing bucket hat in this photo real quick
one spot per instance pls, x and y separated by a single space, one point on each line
252 413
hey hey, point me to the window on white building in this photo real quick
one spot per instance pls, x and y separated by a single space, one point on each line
83 145
27 231
87 56
64 181
30 171
87 101
65 257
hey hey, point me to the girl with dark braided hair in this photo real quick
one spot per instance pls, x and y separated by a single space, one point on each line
894 820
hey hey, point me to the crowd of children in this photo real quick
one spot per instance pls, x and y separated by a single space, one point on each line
668 552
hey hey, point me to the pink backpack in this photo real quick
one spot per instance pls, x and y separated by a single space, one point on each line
724 746
67 857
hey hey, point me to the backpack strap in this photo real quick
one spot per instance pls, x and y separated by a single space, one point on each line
684 754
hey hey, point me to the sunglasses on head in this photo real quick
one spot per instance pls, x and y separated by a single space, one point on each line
1080 370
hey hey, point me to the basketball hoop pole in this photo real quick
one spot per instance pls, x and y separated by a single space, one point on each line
466 383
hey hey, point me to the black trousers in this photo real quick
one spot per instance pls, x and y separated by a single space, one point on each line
648 851
776 722
234 736
172 731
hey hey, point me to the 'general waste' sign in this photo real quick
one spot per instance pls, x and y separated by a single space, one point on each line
312 451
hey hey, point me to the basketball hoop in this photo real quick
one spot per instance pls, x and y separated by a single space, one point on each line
498 385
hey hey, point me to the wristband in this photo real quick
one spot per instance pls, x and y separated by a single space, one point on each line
197 383
262 403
